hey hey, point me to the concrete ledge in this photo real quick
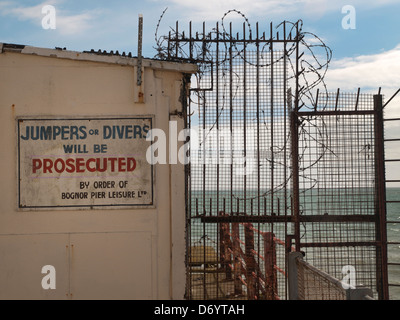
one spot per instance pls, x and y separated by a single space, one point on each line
94 57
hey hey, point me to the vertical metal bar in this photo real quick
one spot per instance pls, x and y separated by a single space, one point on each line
295 149
231 111
258 135
272 120
176 39
204 185
188 198
190 41
204 154
316 101
139 60
204 41
272 248
296 101
284 143
197 213
258 114
380 203
169 45
204 256
337 98
244 118
358 96
217 123
244 129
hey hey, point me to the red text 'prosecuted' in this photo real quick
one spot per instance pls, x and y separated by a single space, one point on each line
72 165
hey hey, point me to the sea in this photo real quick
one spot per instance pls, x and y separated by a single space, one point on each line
209 231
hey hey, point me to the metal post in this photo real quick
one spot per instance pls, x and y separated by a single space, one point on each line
294 128
140 41
293 280
380 197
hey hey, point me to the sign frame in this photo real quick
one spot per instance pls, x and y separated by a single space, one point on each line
120 206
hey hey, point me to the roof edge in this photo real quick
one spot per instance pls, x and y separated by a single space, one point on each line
102 58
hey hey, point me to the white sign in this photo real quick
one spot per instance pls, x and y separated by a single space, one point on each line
87 163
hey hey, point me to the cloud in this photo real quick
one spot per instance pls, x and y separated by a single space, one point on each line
23 13
211 9
369 72
66 24
366 71
74 24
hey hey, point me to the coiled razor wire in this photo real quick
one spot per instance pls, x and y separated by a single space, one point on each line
313 66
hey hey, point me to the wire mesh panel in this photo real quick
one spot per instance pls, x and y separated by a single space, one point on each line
240 173
338 190
238 204
316 285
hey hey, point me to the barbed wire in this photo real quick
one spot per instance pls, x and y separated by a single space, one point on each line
308 69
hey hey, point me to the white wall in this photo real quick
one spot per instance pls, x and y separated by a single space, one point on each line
112 253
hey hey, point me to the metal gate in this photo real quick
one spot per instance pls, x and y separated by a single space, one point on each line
339 189
277 166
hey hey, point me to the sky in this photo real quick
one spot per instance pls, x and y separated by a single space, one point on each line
366 55
370 47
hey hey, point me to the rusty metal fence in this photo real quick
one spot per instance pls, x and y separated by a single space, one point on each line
279 164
